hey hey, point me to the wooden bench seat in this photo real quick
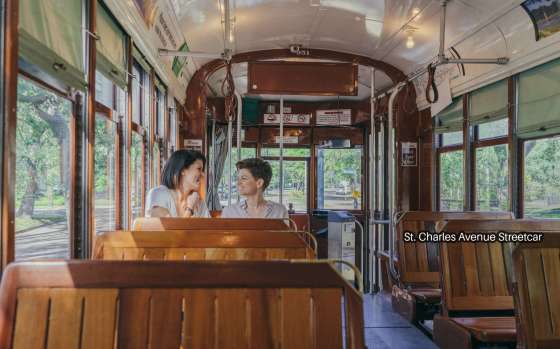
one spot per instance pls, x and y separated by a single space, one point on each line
202 245
426 295
168 223
537 290
212 304
417 294
477 281
489 329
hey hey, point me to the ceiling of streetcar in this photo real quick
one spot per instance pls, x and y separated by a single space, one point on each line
404 33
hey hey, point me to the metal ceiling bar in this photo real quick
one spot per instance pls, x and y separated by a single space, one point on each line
174 53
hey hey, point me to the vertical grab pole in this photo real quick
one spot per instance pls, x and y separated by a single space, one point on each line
372 184
230 155
392 185
212 168
239 120
281 174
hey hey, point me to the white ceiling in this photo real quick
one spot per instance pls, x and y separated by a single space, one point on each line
372 28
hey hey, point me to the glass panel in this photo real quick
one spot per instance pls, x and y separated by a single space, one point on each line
223 191
493 129
105 174
160 117
43 171
146 101
136 175
155 164
542 178
296 152
122 100
339 174
272 193
173 127
136 94
492 179
452 138
451 183
104 90
295 185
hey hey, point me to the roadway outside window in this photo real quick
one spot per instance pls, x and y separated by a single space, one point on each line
339 178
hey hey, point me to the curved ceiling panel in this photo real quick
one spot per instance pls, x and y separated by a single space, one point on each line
380 29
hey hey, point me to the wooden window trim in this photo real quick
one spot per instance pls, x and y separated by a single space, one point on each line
10 77
46 85
128 136
90 151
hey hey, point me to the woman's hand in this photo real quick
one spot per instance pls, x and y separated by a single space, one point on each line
190 203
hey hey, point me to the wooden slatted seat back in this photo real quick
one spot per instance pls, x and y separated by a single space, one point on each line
478 276
140 305
169 223
202 245
418 262
537 289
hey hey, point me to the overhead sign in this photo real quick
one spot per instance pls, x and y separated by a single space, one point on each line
289 119
194 144
334 117
287 139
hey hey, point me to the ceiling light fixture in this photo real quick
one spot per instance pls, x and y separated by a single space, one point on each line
416 13
410 37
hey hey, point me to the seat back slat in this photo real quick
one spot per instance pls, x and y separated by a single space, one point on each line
537 279
103 304
419 262
201 245
475 274
168 223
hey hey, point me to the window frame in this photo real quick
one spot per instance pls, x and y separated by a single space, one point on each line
485 143
471 143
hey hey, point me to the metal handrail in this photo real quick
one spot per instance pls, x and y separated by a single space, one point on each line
310 239
361 244
294 224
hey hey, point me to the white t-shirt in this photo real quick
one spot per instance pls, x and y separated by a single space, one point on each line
161 197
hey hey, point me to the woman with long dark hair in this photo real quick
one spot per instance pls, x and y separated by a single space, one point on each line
177 196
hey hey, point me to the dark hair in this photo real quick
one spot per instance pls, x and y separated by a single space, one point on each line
178 161
259 168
